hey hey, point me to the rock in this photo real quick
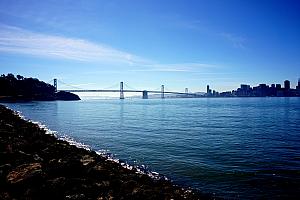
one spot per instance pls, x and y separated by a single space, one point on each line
75 197
9 125
67 166
66 96
87 160
24 172
4 169
56 183
5 195
129 186
36 157
100 172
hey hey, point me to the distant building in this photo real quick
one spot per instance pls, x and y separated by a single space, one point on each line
273 90
226 94
208 91
298 86
244 90
280 93
262 90
278 86
287 85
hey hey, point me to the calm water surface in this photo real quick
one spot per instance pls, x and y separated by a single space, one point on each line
244 148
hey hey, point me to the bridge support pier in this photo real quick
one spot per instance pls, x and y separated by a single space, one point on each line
121 90
162 91
55 84
145 94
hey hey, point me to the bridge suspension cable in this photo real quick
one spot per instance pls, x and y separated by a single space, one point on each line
157 89
167 89
129 87
115 86
50 82
69 85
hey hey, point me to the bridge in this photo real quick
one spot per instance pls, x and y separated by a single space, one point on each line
122 91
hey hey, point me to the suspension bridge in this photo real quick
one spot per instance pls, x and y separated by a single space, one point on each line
121 90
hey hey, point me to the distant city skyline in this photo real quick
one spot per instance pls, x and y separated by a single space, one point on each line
181 44
261 90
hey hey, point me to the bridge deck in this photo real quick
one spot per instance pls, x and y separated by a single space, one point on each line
149 91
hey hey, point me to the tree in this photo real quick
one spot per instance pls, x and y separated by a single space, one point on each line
19 77
29 89
10 76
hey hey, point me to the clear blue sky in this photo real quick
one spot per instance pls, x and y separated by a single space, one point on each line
96 44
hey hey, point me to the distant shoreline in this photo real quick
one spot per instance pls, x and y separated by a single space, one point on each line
204 97
63 96
36 165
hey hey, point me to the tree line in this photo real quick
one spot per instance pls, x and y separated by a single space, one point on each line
22 87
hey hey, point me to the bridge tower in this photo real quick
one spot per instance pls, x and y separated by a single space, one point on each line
121 90
162 91
55 84
145 94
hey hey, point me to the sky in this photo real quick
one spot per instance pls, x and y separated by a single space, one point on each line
95 44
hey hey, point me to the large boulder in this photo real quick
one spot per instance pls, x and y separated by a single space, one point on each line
24 172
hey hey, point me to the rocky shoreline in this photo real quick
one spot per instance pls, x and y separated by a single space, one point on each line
36 165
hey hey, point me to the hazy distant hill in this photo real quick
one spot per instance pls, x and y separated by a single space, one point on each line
19 88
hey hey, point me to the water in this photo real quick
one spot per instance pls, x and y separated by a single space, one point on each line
244 148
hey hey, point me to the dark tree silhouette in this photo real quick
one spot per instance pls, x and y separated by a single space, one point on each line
19 77
29 89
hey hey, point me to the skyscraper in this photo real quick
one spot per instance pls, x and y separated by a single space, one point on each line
208 91
287 85
278 86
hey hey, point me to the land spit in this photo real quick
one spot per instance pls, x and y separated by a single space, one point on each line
36 165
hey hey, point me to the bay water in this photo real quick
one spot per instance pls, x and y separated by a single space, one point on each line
234 148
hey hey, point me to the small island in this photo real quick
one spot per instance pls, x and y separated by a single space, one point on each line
30 89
